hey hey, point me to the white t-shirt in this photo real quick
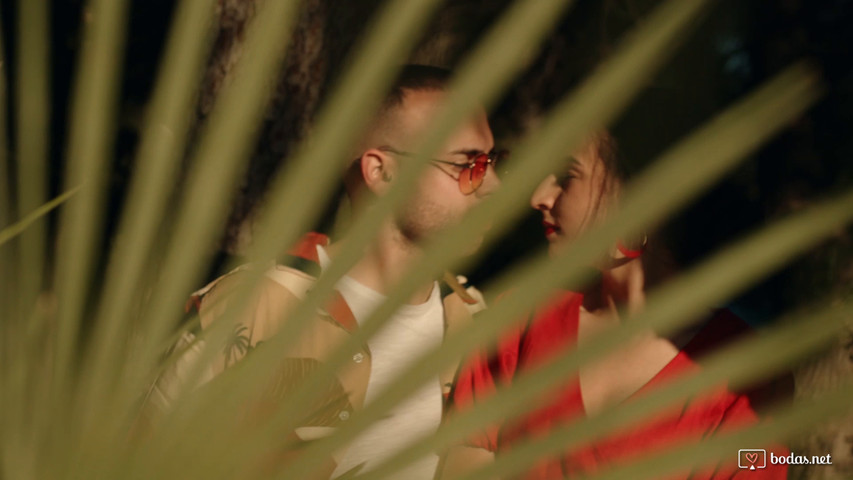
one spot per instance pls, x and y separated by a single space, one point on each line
410 332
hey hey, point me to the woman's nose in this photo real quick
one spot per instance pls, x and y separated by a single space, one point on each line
545 194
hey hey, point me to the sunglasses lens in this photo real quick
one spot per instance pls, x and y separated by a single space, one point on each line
466 184
478 171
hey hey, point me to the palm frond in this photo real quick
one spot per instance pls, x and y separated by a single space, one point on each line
80 350
11 231
32 141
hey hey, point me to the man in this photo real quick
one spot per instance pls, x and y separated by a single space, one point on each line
458 177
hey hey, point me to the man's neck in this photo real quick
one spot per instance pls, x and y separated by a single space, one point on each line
384 263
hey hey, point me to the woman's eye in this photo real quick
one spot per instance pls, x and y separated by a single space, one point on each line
564 179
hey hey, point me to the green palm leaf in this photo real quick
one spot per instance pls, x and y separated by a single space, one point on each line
80 351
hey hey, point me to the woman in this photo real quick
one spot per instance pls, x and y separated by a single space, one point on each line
571 201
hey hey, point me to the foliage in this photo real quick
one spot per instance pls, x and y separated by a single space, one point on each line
81 346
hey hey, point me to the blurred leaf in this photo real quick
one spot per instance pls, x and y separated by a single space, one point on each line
68 396
90 139
163 142
20 226
33 114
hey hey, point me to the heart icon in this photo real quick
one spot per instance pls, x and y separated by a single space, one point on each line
752 457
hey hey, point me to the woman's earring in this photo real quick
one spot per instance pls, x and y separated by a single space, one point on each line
632 251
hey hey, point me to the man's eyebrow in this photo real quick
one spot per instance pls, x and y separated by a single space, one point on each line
466 151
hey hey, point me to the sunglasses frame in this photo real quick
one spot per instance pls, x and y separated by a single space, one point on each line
468 184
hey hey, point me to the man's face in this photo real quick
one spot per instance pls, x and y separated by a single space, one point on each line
438 201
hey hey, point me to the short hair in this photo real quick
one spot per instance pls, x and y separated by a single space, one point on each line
418 78
411 78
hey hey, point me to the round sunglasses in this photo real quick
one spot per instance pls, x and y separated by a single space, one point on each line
471 173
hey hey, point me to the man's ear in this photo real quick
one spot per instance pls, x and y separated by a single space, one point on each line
377 170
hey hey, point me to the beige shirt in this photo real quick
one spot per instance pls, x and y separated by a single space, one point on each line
279 292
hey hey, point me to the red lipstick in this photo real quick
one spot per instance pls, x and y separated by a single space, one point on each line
549 228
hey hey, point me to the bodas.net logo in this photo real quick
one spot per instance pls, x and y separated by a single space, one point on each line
752 458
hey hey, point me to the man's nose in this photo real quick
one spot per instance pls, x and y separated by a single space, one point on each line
491 182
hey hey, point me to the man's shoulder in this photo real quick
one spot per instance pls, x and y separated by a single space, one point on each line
277 290
274 287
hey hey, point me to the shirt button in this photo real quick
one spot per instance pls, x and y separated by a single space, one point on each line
358 357
344 415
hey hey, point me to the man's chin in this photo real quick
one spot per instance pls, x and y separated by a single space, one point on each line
424 235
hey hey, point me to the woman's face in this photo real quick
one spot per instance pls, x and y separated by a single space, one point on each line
573 198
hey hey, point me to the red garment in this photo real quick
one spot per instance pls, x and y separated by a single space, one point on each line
554 330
